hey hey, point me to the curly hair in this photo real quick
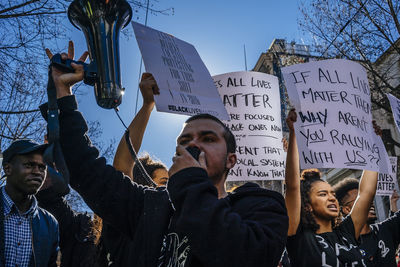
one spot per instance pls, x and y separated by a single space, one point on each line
307 219
149 165
97 225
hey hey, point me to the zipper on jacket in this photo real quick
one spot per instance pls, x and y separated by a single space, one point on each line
33 248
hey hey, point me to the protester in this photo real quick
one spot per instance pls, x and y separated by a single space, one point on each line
123 160
313 237
86 241
156 170
119 248
194 222
379 240
29 233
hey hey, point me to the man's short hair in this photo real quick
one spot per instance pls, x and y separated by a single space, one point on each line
22 147
149 165
344 186
228 135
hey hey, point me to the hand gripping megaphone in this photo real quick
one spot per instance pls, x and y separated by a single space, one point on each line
101 22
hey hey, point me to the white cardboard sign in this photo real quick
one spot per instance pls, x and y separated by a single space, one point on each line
186 86
253 102
387 182
334 124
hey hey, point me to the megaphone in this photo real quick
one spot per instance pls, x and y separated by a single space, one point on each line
101 22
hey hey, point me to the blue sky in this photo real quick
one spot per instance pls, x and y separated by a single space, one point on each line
218 30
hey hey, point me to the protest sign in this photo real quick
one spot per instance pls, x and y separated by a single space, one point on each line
186 86
334 125
253 102
387 182
395 105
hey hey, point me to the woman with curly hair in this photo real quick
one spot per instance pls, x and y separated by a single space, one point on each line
314 238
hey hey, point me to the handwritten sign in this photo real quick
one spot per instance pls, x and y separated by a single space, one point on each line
186 86
253 102
387 182
395 105
334 126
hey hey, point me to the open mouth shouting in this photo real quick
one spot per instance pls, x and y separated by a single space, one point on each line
332 207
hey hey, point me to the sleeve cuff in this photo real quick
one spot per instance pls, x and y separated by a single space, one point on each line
64 104
193 178
187 175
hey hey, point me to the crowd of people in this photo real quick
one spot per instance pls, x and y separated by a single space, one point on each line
185 217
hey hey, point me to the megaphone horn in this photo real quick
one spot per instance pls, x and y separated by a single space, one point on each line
101 22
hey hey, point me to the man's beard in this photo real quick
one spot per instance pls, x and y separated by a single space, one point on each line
221 175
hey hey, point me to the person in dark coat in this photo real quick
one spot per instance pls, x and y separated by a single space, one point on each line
84 239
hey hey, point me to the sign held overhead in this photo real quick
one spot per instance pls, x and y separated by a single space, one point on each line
186 86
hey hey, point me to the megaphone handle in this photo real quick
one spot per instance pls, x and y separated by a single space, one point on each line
64 65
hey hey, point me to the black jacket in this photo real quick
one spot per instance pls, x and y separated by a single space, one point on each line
76 239
247 228
380 245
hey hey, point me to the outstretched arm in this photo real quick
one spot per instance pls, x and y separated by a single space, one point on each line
292 177
123 160
366 193
91 177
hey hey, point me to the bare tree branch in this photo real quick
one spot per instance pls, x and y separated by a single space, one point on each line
18 6
31 14
370 36
27 28
19 112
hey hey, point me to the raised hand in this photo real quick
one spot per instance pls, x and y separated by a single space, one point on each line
291 119
148 87
183 159
62 80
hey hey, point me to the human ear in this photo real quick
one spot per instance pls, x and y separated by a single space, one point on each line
308 208
230 160
7 169
346 210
